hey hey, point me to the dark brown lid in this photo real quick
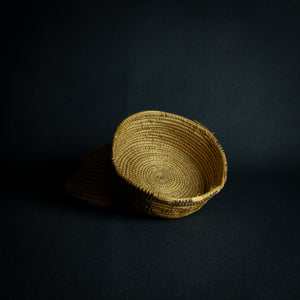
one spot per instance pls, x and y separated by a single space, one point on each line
94 180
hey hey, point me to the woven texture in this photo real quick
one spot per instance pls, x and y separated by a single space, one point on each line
94 181
168 165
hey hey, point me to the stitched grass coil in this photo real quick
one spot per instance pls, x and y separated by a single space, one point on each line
168 165
94 181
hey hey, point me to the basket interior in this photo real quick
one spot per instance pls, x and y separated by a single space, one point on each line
167 155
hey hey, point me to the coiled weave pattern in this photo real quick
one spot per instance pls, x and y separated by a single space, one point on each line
169 166
94 180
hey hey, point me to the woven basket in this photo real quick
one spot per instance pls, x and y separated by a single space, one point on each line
94 181
168 165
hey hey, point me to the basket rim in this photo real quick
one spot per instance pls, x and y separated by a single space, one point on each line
196 199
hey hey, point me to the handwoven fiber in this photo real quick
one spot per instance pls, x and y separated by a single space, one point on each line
94 181
168 166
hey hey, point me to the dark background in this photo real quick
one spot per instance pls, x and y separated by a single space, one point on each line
71 72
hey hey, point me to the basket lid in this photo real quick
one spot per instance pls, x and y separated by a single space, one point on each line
94 179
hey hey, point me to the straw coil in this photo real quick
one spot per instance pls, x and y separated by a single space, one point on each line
168 166
94 180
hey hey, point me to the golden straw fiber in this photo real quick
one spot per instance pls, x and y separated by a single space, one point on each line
168 165
94 181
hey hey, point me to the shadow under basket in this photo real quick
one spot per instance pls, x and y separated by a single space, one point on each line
168 165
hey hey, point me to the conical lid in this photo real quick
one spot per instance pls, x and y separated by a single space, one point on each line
94 181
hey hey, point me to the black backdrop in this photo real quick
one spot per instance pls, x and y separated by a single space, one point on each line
71 72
